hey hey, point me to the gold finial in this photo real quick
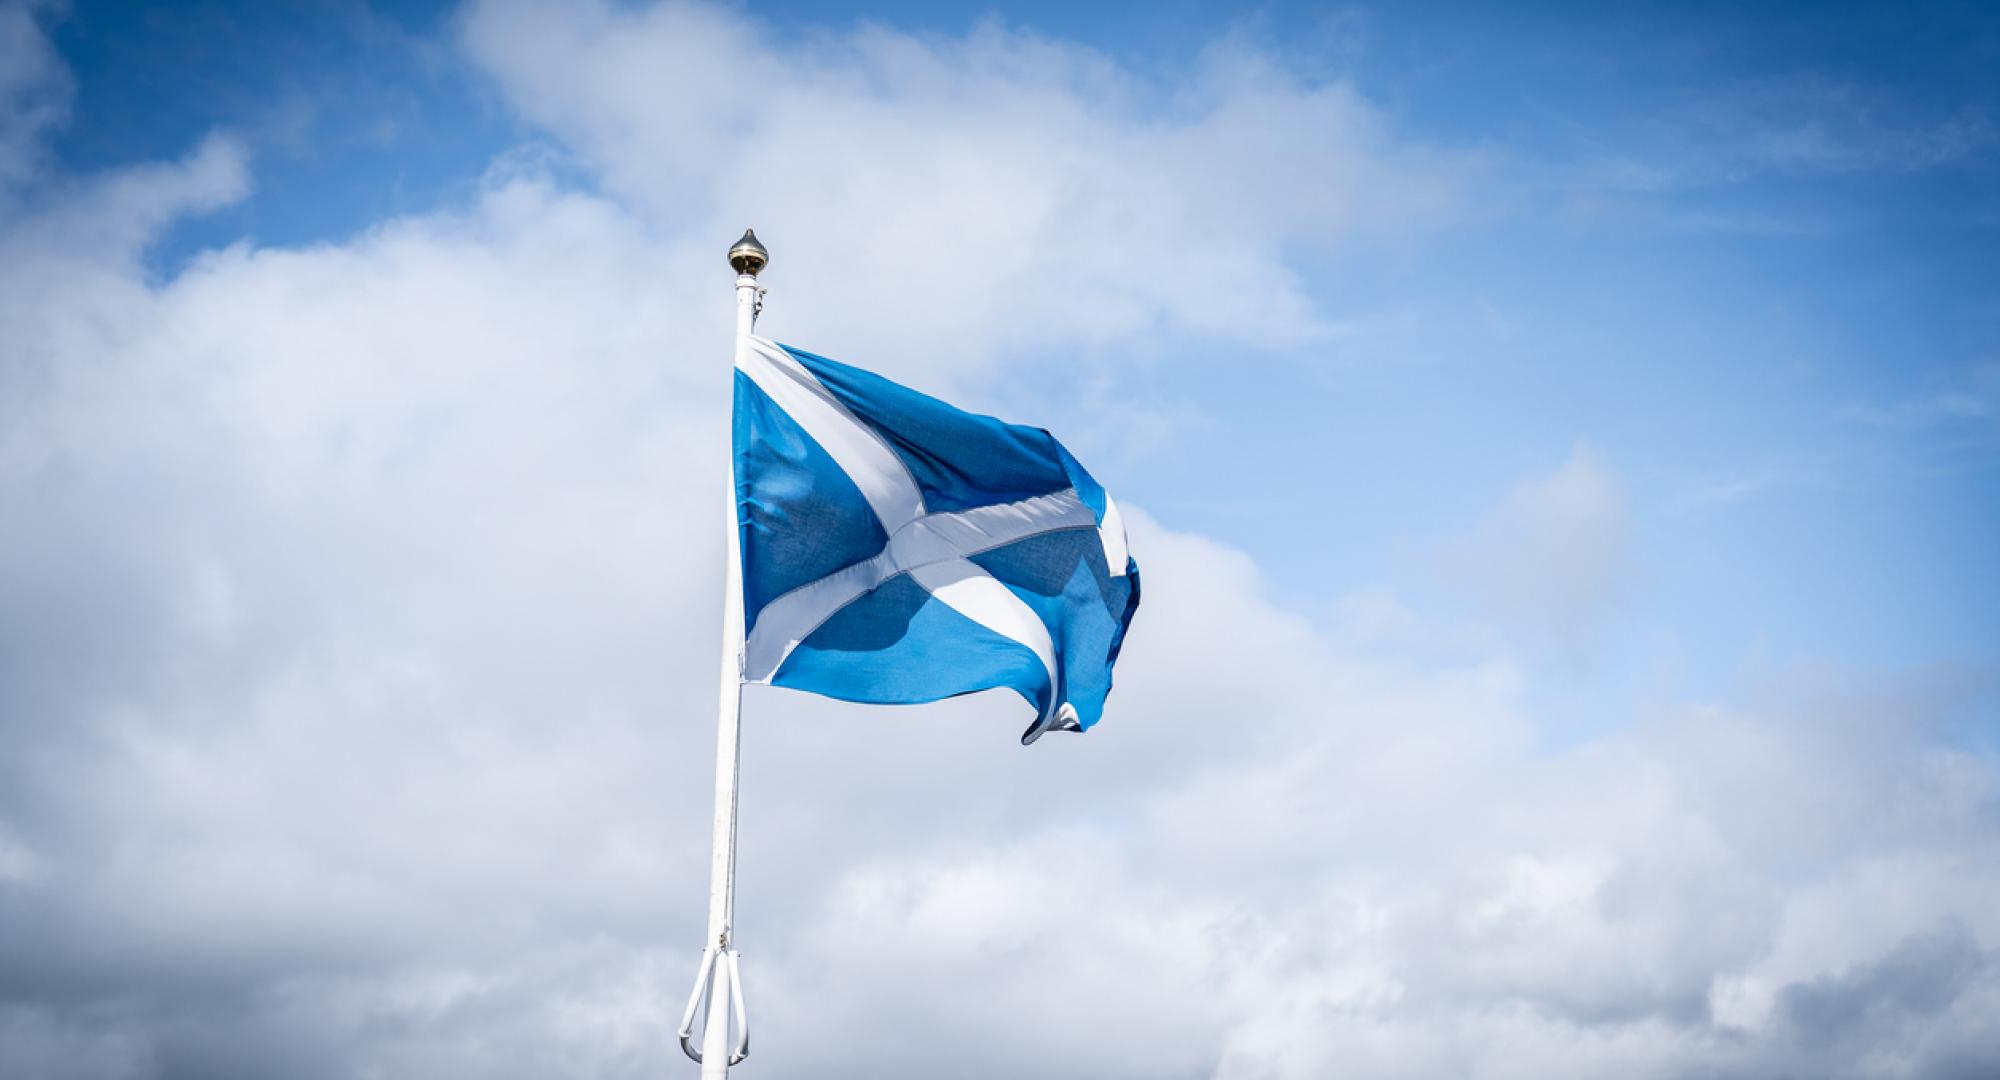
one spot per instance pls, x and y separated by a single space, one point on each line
748 256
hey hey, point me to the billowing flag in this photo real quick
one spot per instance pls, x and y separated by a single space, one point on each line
898 550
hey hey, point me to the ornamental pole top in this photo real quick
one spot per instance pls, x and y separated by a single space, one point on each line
747 255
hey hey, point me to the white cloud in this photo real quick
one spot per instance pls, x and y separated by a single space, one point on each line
356 630
998 192
1805 125
1787 125
35 91
1968 399
1555 556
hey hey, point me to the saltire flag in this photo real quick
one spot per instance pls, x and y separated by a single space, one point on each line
898 550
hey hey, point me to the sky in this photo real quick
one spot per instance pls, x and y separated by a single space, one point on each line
1562 445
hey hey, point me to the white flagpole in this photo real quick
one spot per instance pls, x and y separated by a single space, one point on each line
724 989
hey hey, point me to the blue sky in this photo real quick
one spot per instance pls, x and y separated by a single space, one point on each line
1747 256
1566 442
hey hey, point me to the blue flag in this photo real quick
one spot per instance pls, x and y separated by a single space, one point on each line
898 550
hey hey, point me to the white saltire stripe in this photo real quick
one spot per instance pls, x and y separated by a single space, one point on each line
931 541
1112 535
979 596
853 445
894 496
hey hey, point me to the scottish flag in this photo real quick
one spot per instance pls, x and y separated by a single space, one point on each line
898 550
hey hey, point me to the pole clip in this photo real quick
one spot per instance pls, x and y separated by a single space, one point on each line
704 989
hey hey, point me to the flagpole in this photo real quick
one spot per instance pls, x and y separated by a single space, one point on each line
724 990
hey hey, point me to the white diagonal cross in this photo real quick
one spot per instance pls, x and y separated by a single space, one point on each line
930 547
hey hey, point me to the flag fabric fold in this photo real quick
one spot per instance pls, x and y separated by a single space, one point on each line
896 549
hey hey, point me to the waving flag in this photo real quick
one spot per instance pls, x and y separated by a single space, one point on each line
898 550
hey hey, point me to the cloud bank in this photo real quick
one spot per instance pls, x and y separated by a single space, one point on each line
357 610
1010 190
